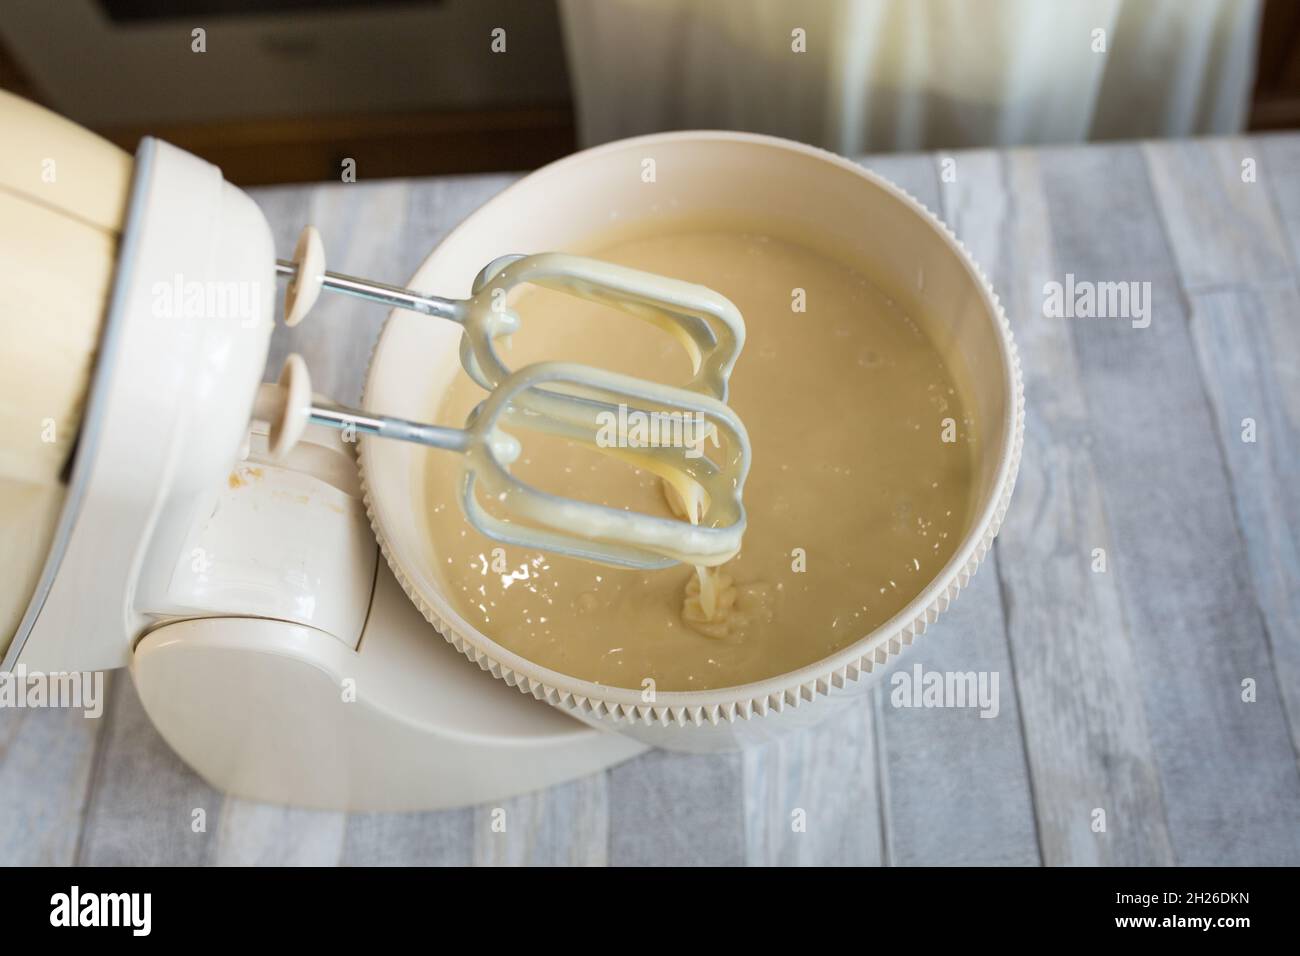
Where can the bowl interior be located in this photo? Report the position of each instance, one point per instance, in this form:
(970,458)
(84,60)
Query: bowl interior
(803,195)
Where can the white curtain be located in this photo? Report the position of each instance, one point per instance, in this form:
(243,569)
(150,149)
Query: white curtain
(913,74)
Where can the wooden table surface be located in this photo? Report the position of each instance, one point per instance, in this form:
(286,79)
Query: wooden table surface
(1121,690)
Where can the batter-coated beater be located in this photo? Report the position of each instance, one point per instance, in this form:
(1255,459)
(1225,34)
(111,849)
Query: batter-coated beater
(572,400)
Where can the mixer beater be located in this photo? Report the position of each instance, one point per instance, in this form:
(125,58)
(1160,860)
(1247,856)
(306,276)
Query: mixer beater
(570,400)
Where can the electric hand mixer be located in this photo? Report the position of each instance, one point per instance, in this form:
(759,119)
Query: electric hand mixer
(242,599)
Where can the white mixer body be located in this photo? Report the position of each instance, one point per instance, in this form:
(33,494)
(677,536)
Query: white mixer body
(181,355)
(244,593)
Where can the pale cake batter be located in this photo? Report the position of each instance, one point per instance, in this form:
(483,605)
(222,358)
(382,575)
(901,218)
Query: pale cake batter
(855,501)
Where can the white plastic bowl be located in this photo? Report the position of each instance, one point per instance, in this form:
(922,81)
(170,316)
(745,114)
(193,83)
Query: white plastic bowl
(818,199)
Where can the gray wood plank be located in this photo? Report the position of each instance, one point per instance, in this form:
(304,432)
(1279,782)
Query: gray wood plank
(1228,773)
(675,809)
(1085,730)
(1279,158)
(258,834)
(442,838)
(813,798)
(1221,227)
(567,825)
(956,785)
(143,798)
(1247,342)
(46,763)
